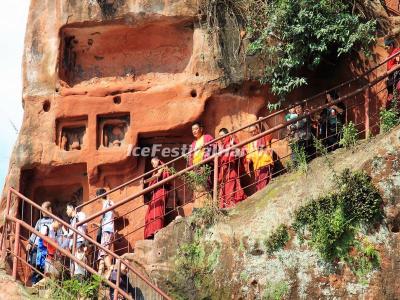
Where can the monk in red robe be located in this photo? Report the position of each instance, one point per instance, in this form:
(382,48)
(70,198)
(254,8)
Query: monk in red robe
(154,220)
(201,152)
(259,155)
(230,189)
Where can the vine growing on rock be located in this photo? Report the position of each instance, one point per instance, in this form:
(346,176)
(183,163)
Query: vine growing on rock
(290,36)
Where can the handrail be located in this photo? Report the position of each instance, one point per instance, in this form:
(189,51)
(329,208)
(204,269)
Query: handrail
(64,252)
(239,145)
(261,120)
(88,238)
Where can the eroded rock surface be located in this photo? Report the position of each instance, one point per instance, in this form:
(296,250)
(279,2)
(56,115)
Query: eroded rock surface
(239,266)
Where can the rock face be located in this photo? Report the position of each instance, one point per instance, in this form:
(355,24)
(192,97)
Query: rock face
(231,262)
(103,75)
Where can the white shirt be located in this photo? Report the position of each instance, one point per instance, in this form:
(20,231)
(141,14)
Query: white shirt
(107,222)
(79,217)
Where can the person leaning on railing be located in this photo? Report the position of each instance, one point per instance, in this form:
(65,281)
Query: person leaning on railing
(300,135)
(331,121)
(201,152)
(33,242)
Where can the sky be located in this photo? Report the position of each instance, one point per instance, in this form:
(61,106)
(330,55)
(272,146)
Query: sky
(13,16)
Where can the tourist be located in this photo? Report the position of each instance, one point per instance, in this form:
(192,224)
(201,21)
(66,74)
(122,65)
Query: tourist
(80,254)
(51,266)
(259,155)
(154,220)
(332,120)
(76,217)
(124,283)
(392,67)
(200,152)
(230,189)
(300,136)
(291,114)
(107,231)
(33,242)
(41,254)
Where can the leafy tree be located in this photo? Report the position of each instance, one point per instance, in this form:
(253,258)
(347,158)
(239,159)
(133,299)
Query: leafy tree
(290,35)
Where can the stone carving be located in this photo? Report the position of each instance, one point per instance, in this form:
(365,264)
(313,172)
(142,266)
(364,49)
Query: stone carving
(113,131)
(64,142)
(72,138)
(75,145)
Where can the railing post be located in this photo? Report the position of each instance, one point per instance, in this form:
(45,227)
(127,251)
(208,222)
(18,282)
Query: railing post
(16,250)
(117,280)
(366,109)
(215,181)
(73,251)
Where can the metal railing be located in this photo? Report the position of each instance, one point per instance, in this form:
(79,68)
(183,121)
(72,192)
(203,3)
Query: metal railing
(27,207)
(213,190)
(307,102)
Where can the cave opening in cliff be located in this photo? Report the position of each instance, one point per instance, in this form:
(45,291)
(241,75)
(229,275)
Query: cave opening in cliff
(59,185)
(162,45)
(165,145)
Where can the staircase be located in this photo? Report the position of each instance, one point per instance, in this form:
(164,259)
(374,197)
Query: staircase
(357,93)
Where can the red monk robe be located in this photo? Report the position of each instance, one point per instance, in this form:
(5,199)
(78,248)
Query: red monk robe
(154,220)
(201,153)
(259,154)
(230,189)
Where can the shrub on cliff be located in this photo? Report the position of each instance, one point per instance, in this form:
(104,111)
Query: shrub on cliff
(330,222)
(289,35)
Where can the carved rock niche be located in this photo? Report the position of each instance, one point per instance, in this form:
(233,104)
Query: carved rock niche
(112,130)
(71,133)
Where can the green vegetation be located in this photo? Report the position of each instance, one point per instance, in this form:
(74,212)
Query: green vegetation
(349,135)
(365,259)
(276,291)
(277,240)
(290,35)
(198,177)
(206,216)
(85,289)
(299,159)
(194,265)
(331,221)
(390,117)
